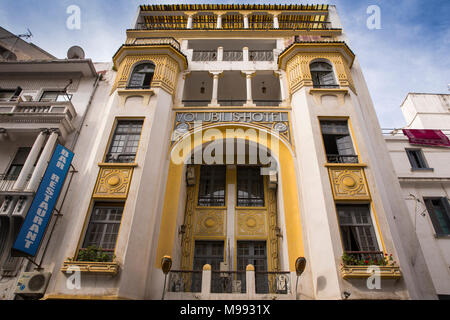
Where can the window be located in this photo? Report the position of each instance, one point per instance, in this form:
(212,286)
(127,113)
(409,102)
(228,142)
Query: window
(338,142)
(17,163)
(55,96)
(104,226)
(250,187)
(322,75)
(439,211)
(142,75)
(357,231)
(416,159)
(212,186)
(125,141)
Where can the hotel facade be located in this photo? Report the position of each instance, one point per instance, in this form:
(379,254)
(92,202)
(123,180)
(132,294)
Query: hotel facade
(226,145)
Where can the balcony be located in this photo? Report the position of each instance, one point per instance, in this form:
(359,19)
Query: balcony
(33,114)
(241,285)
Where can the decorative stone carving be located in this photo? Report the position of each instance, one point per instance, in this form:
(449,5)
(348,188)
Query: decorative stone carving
(113,182)
(349,183)
(165,76)
(186,241)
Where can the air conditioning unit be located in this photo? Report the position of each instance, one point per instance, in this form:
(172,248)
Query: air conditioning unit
(32,283)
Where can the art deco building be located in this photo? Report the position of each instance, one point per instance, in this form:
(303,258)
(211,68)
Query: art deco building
(232,141)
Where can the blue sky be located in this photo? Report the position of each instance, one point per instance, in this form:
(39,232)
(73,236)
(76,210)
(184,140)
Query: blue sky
(410,53)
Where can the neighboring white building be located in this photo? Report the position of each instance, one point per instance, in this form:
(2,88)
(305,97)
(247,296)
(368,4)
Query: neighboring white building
(43,101)
(424,175)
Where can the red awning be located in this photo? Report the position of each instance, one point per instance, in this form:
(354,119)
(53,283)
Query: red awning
(427,137)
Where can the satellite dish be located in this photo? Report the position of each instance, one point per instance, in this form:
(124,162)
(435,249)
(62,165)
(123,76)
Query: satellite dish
(75,52)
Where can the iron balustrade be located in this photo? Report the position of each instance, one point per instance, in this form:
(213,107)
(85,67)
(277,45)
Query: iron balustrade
(338,158)
(260,55)
(275,282)
(204,55)
(228,281)
(185,281)
(120,157)
(233,55)
(260,25)
(326,86)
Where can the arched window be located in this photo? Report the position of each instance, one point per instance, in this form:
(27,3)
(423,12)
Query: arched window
(322,75)
(142,75)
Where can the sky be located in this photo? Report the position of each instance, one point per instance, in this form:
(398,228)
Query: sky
(408,51)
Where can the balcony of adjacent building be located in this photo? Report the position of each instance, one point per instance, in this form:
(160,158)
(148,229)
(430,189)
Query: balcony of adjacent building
(20,111)
(233,89)
(24,158)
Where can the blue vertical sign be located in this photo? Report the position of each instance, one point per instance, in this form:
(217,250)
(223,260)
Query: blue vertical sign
(33,228)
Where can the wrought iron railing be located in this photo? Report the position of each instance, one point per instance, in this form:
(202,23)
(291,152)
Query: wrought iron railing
(277,282)
(304,25)
(260,55)
(185,281)
(204,55)
(120,157)
(233,55)
(337,158)
(195,103)
(228,282)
